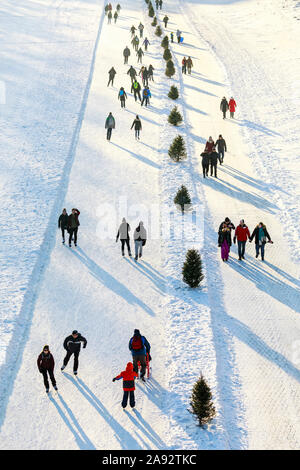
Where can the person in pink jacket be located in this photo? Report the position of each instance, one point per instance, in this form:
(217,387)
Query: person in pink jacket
(232,106)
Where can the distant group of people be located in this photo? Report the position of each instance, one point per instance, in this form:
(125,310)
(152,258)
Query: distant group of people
(211,156)
(139,236)
(108,12)
(69,223)
(187,63)
(225,106)
(241,234)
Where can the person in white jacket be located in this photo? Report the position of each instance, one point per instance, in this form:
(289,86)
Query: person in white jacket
(123,233)
(140,237)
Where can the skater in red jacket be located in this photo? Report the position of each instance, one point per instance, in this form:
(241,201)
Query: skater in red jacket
(128,377)
(209,145)
(241,235)
(232,106)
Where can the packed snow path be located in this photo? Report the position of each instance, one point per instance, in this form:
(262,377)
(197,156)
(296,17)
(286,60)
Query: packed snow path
(252,307)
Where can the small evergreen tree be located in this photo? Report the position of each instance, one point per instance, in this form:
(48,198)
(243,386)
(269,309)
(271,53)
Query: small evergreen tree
(177,150)
(154,22)
(192,268)
(167,54)
(158,31)
(165,42)
(182,198)
(175,117)
(173,93)
(201,402)
(150,10)
(170,70)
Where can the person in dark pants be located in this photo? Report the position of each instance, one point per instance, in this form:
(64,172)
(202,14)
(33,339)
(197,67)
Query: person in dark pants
(165,20)
(146,96)
(45,363)
(221,146)
(139,347)
(126,54)
(110,124)
(137,127)
(122,97)
(136,90)
(241,235)
(63,223)
(111,76)
(205,163)
(183,68)
(213,160)
(72,345)
(261,235)
(150,72)
(73,224)
(123,233)
(224,106)
(128,377)
(160,4)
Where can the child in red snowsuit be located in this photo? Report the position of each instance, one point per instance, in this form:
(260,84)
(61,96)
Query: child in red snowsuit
(128,377)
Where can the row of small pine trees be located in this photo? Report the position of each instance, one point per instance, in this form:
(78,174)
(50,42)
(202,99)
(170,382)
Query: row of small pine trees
(201,399)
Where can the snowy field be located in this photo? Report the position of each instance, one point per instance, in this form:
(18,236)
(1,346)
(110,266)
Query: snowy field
(242,328)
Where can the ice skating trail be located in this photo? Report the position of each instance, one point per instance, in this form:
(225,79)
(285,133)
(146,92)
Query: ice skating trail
(239,330)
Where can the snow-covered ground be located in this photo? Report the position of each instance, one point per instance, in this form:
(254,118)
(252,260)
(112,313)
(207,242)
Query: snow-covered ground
(242,328)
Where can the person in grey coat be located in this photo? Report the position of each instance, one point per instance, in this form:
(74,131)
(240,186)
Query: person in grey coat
(126,54)
(110,124)
(123,234)
(140,237)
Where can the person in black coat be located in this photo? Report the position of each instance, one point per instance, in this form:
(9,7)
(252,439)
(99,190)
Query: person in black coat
(63,223)
(45,363)
(230,225)
(72,345)
(224,106)
(213,160)
(205,163)
(137,127)
(111,76)
(261,235)
(221,146)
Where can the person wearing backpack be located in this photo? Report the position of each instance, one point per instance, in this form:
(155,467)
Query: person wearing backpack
(139,347)
(136,90)
(122,97)
(137,127)
(146,96)
(140,237)
(128,376)
(110,124)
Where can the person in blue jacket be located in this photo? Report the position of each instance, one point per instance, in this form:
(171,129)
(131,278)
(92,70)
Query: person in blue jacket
(122,97)
(146,96)
(139,347)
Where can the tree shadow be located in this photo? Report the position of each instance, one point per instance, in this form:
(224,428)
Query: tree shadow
(110,282)
(125,439)
(84,443)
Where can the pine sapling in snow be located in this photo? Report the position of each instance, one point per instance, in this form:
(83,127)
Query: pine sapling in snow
(201,402)
(154,22)
(182,198)
(175,117)
(167,54)
(192,269)
(177,150)
(158,31)
(165,42)
(170,69)
(150,10)
(173,93)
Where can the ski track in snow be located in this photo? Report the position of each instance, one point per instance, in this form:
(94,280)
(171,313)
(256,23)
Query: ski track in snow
(238,329)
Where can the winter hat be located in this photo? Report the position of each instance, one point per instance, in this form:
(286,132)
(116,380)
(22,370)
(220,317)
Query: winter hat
(227,219)
(46,347)
(74,332)
(136,332)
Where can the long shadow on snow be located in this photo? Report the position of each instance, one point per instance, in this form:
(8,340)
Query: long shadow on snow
(254,126)
(241,195)
(253,181)
(257,184)
(84,443)
(149,272)
(268,283)
(138,157)
(110,282)
(125,439)
(146,429)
